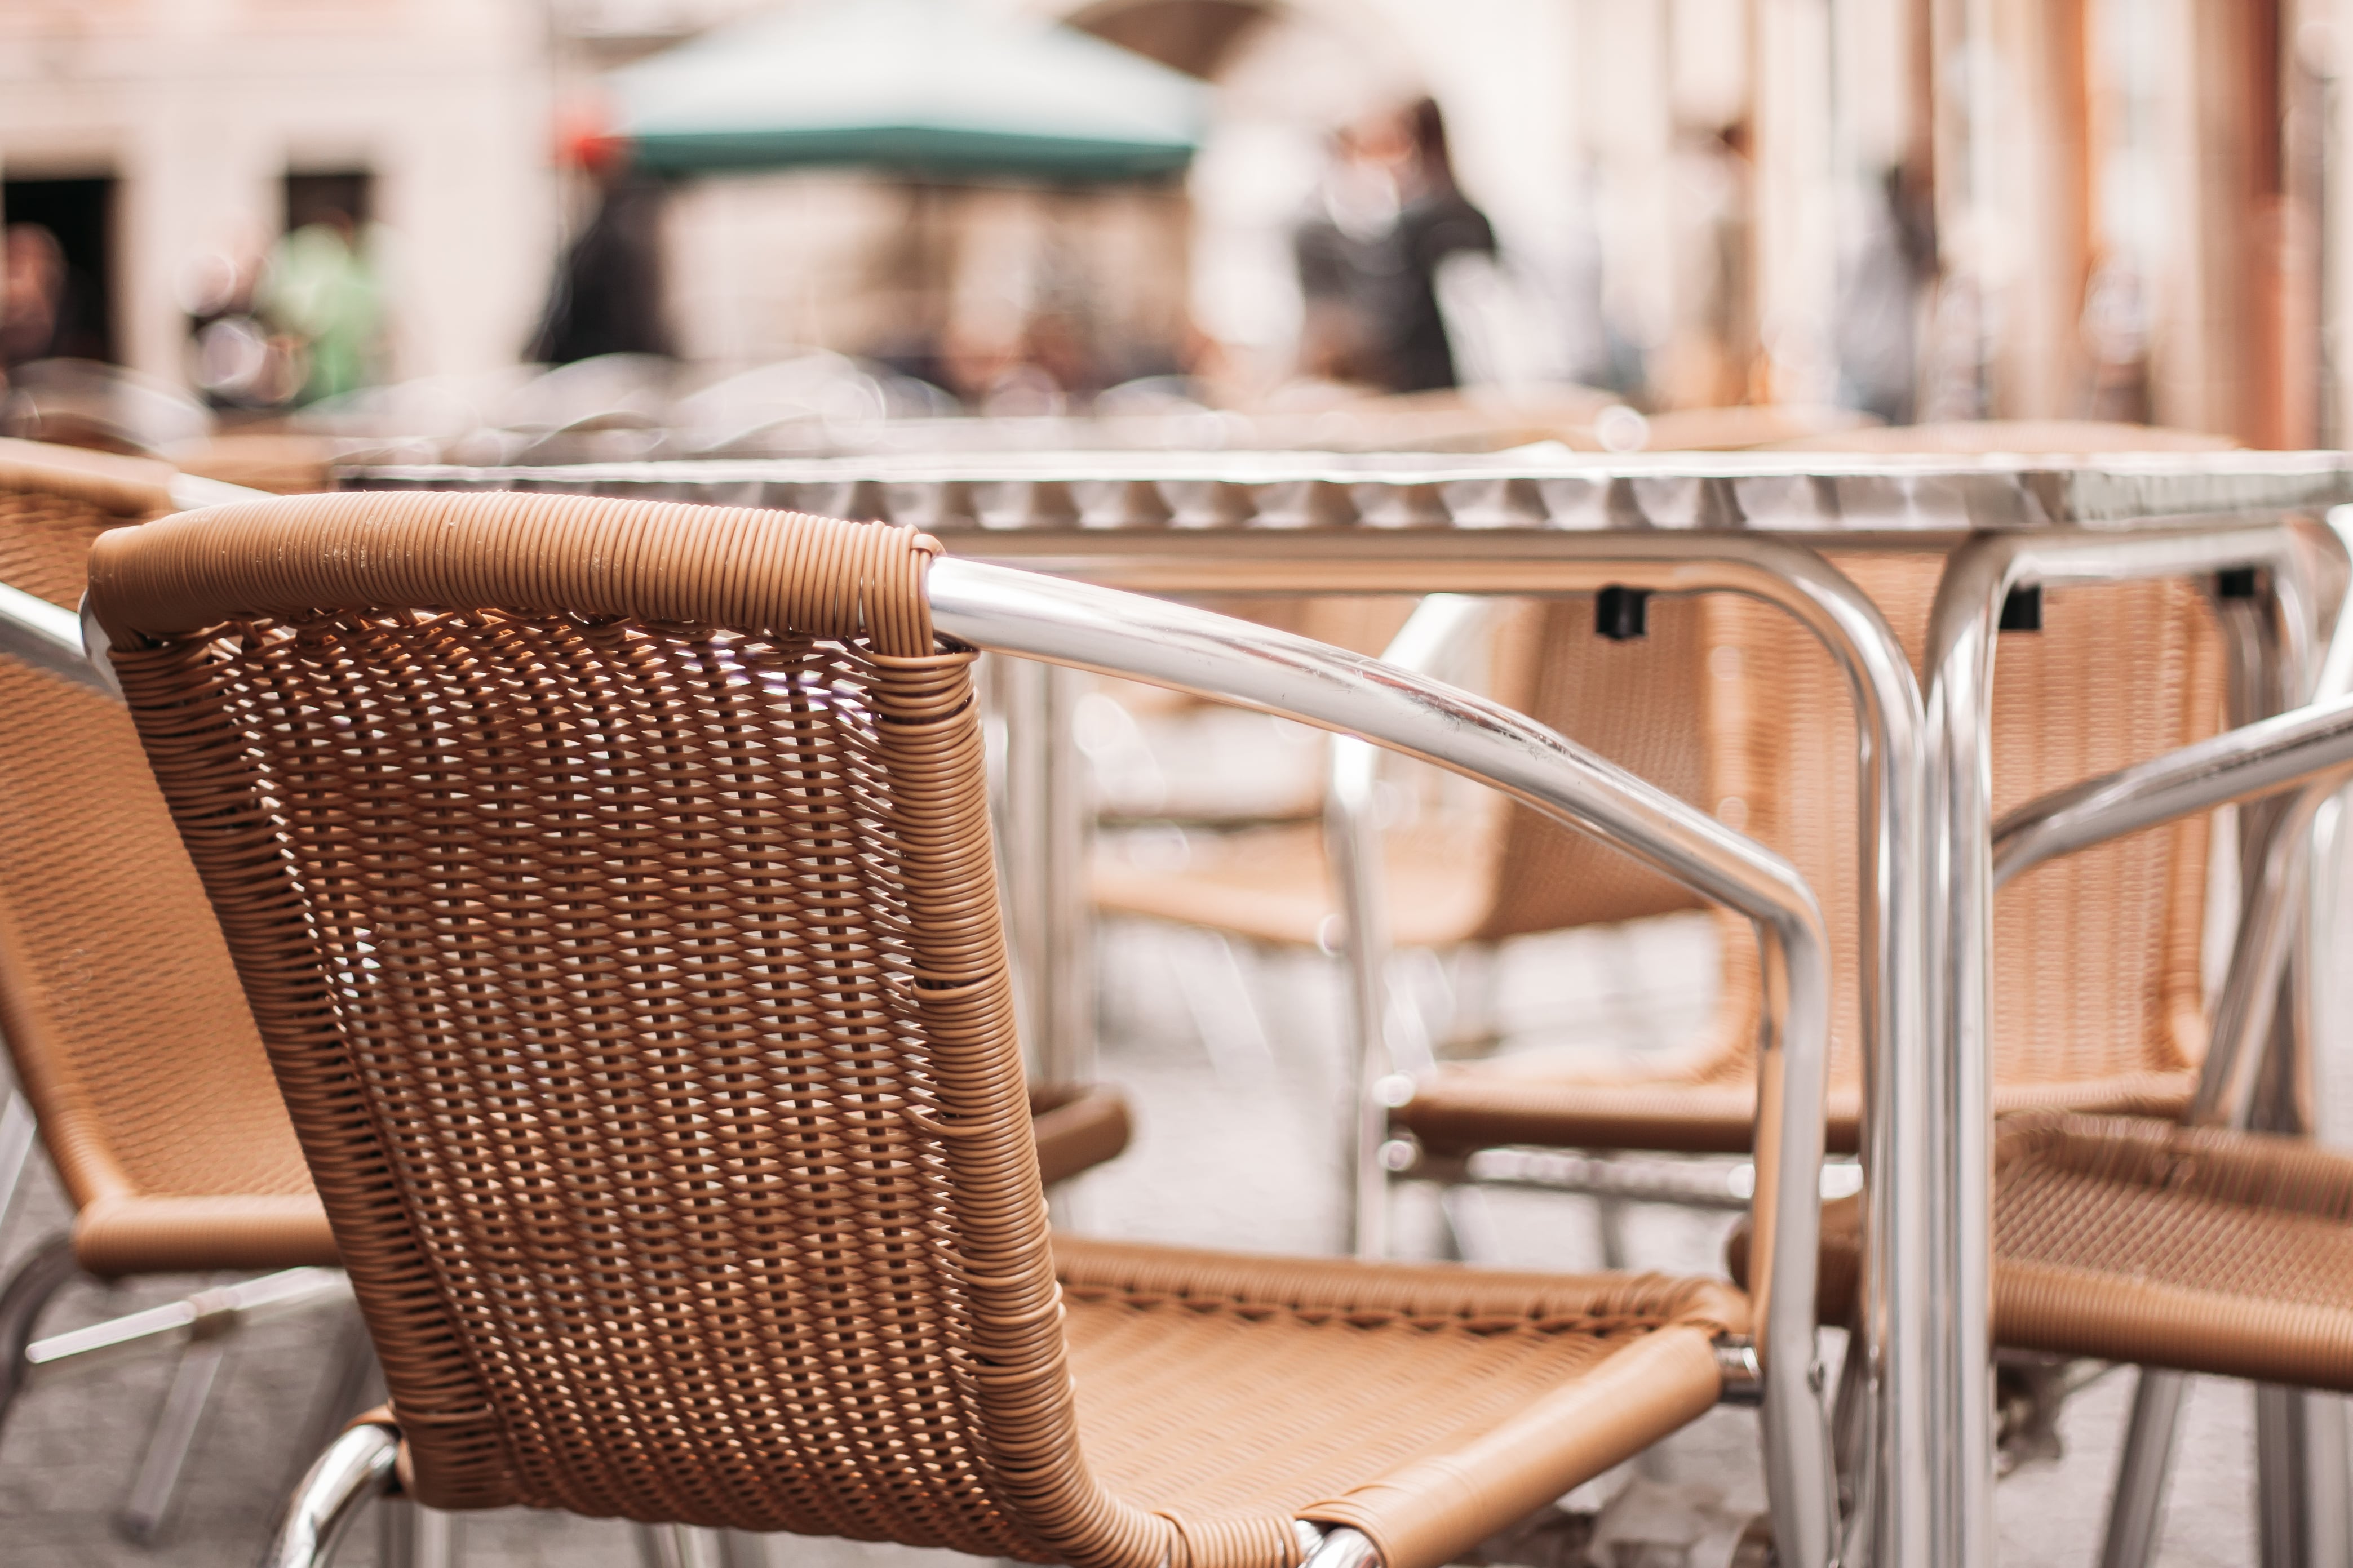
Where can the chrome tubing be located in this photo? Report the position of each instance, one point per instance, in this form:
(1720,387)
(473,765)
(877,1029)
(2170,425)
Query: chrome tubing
(1233,661)
(357,1467)
(1979,577)
(2254,759)
(2308,751)
(1338,1548)
(1353,844)
(47,637)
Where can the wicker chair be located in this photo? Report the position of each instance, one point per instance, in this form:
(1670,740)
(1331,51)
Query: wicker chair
(137,1059)
(611,884)
(2107,1020)
(2106,1013)
(2185,1248)
(1512,874)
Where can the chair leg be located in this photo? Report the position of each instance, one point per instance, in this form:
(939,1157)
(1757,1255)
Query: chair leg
(142,1518)
(2300,1479)
(680,1546)
(357,1467)
(350,1386)
(16,1135)
(411,1536)
(742,1548)
(1224,1006)
(2137,1506)
(1610,1223)
(1471,1233)
(41,1276)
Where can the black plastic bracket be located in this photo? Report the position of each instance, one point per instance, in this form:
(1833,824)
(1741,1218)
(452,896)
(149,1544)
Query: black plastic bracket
(1621,614)
(2022,610)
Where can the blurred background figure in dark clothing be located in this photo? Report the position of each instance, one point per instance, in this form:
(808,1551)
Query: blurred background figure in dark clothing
(608,295)
(1436,221)
(1386,217)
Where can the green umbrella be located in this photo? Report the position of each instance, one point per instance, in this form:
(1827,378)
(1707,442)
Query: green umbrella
(932,89)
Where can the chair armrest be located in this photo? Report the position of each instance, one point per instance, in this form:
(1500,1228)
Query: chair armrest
(2305,746)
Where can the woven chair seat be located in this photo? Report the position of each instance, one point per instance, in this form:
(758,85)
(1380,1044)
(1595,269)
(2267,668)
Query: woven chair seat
(2208,1251)
(1467,1105)
(1409,1401)
(1270,885)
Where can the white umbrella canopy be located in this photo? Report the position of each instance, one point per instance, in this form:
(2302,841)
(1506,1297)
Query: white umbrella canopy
(930,88)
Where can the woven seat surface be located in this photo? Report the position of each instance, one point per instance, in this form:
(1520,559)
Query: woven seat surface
(2097,1003)
(611,882)
(2127,1239)
(1214,1384)
(2210,1251)
(120,1006)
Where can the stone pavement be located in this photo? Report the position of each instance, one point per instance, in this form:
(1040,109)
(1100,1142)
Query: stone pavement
(1238,1146)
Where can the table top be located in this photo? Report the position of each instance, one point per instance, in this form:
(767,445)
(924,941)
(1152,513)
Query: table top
(1538,489)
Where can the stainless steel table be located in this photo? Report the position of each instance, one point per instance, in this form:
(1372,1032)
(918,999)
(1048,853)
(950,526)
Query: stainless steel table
(1543,520)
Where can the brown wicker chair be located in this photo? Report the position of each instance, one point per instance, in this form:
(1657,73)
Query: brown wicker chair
(121,1014)
(2105,1012)
(1453,885)
(611,882)
(2105,1016)
(152,1095)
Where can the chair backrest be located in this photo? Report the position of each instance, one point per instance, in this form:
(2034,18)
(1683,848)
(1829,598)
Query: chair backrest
(2097,957)
(1631,700)
(121,1009)
(1728,702)
(611,882)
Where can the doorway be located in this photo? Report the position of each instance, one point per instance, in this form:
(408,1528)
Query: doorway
(60,269)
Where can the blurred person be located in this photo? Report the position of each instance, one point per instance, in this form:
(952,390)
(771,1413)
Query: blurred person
(319,289)
(1389,214)
(608,294)
(1890,254)
(1713,354)
(1435,221)
(47,308)
(1345,249)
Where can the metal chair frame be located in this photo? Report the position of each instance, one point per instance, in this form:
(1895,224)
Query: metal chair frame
(2275,658)
(1901,1285)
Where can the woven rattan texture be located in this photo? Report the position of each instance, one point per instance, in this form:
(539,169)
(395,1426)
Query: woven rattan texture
(2205,1251)
(1213,1384)
(2211,1251)
(121,1008)
(637,982)
(1628,700)
(2097,1001)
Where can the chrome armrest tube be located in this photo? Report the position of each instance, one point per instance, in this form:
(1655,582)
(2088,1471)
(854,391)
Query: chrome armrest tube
(1382,1042)
(2255,760)
(47,637)
(1979,577)
(1254,667)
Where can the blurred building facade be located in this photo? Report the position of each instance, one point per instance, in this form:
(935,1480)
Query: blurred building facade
(1921,208)
(178,138)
